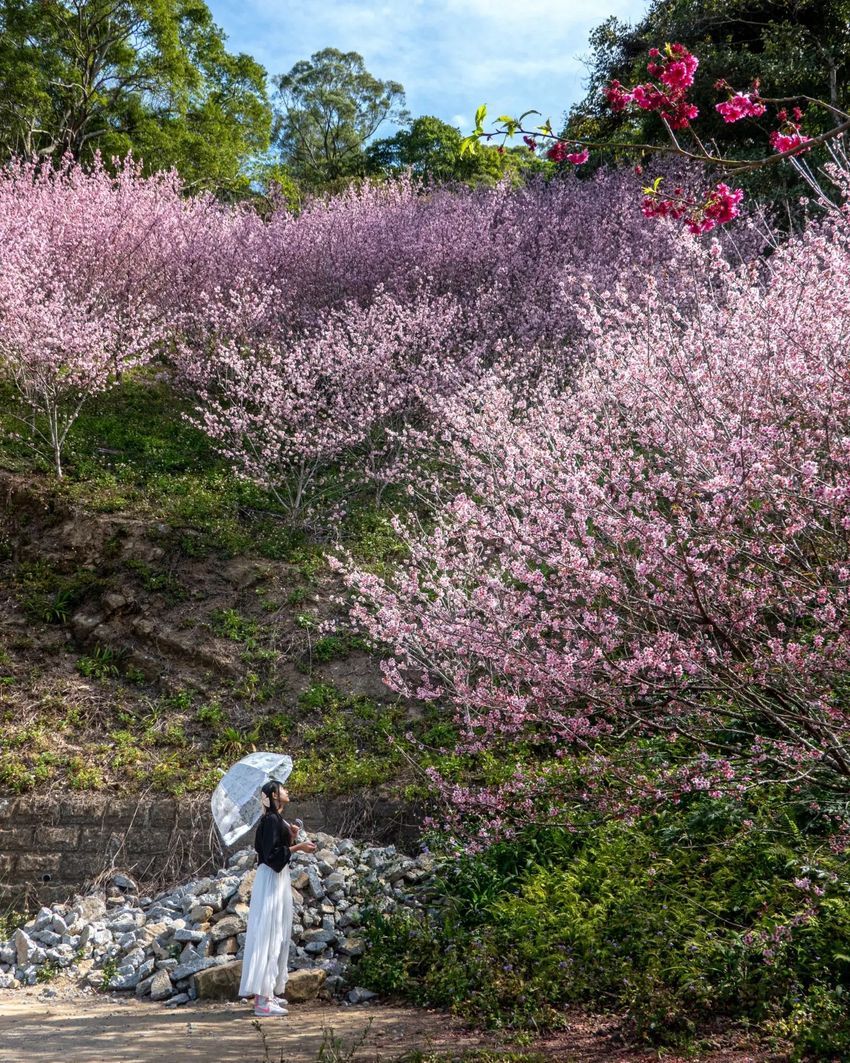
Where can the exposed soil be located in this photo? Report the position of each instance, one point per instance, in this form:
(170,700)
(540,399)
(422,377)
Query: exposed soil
(78,1028)
(144,597)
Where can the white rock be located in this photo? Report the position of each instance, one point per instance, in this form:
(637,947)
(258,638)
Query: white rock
(184,934)
(24,946)
(359,994)
(43,919)
(58,925)
(123,923)
(160,987)
(136,957)
(199,963)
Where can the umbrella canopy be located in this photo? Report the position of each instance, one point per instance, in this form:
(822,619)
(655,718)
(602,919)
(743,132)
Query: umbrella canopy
(236,804)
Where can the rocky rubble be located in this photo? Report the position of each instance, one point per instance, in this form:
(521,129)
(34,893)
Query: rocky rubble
(188,942)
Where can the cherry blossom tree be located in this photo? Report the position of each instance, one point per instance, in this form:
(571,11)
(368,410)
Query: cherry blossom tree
(283,406)
(314,340)
(89,269)
(659,548)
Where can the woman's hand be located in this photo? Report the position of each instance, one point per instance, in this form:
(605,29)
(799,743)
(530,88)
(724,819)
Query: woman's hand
(294,831)
(303,847)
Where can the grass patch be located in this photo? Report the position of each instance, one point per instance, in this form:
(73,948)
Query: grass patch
(229,624)
(345,742)
(48,596)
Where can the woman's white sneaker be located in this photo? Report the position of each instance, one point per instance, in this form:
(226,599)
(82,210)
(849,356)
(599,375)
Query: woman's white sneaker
(270,1007)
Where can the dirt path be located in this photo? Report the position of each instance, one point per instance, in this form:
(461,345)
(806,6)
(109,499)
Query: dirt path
(96,1029)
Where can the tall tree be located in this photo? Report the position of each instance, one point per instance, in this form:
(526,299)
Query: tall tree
(330,107)
(149,76)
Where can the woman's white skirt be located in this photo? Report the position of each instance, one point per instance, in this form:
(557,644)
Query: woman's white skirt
(265,963)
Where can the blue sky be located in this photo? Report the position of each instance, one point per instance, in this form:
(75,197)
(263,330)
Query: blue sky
(450,55)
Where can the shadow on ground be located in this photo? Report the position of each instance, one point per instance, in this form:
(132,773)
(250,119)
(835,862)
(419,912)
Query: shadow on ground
(92,1029)
(105,1031)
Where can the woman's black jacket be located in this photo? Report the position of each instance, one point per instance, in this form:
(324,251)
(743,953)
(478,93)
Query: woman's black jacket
(272,841)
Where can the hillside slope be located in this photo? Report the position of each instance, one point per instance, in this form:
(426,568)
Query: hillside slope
(131,650)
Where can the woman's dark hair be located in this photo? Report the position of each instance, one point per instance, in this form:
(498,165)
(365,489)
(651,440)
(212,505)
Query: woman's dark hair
(270,790)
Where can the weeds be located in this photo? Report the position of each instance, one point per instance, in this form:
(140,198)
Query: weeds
(103,663)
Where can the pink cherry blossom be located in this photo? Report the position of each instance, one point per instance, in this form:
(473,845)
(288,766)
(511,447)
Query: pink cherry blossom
(657,546)
(89,268)
(782,142)
(741,105)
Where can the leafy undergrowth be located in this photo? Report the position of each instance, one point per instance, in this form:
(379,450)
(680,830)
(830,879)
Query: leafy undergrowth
(711,910)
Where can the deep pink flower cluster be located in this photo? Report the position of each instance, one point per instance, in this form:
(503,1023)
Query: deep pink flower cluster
(675,71)
(789,136)
(741,105)
(663,207)
(722,205)
(560,152)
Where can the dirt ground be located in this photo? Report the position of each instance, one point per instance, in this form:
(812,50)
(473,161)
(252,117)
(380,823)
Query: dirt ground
(95,1029)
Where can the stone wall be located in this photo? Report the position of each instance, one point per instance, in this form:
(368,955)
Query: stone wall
(56,844)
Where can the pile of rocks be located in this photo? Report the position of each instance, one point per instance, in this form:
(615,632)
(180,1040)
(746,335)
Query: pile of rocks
(188,942)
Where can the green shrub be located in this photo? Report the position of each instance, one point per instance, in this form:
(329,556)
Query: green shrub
(212,715)
(819,1024)
(712,910)
(82,775)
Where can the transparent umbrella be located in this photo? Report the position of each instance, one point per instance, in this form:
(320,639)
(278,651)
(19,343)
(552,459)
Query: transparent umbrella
(236,804)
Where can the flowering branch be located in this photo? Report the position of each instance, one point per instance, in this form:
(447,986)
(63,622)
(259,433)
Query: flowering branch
(673,74)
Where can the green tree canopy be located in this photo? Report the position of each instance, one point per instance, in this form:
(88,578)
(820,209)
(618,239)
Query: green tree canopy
(149,76)
(431,149)
(330,107)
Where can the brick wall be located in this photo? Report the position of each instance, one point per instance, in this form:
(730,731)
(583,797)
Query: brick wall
(54,845)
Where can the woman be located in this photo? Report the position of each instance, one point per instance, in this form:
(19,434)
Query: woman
(264,965)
